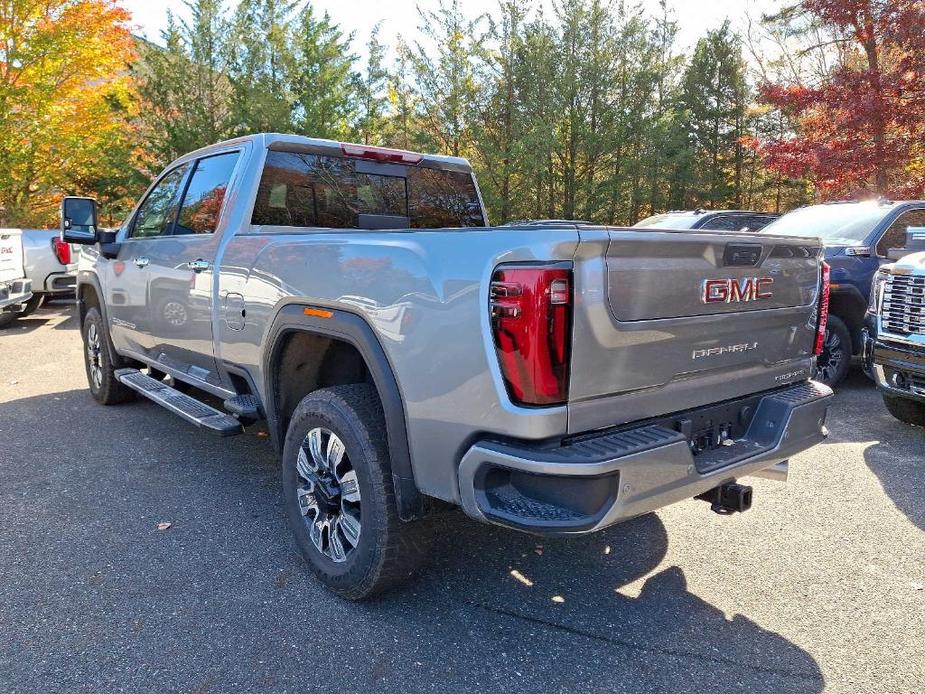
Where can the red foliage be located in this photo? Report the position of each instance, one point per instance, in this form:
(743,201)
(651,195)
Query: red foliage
(863,129)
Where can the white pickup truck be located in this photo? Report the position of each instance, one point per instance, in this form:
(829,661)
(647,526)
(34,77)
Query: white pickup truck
(15,289)
(42,258)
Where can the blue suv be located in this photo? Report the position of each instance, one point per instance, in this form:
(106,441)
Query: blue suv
(857,237)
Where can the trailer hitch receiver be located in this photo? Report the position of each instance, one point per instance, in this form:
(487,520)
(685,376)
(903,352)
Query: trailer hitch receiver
(728,498)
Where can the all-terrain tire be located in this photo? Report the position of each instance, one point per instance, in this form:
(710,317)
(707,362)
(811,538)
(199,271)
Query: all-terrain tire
(105,388)
(388,550)
(905,410)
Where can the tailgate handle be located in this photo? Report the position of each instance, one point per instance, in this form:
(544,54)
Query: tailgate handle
(742,254)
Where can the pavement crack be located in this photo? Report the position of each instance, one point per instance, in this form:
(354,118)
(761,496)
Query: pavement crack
(576,631)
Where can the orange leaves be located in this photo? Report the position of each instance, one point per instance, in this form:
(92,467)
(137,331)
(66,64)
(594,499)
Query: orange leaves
(63,85)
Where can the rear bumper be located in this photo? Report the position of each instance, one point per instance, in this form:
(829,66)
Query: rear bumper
(60,283)
(594,482)
(14,294)
(899,370)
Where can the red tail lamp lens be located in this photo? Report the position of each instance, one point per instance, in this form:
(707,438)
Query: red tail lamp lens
(823,311)
(531,314)
(62,251)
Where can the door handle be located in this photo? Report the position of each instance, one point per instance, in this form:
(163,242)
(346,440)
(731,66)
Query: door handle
(141,262)
(198,265)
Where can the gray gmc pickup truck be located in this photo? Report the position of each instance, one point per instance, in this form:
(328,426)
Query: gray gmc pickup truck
(552,378)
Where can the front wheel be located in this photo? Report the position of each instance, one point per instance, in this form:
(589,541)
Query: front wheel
(105,388)
(833,364)
(905,410)
(339,496)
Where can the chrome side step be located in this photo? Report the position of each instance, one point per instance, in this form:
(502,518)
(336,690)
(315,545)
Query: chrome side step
(190,409)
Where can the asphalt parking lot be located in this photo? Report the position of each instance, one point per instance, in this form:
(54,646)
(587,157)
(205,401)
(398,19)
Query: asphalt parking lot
(821,586)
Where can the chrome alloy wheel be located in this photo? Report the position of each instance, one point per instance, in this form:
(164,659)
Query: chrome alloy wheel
(328,494)
(94,355)
(175,313)
(829,362)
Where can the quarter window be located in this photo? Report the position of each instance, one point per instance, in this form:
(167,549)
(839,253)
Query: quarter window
(205,194)
(157,212)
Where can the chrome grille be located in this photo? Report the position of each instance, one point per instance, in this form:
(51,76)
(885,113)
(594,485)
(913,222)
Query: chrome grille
(903,311)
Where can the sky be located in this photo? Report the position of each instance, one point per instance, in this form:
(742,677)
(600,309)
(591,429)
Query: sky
(694,17)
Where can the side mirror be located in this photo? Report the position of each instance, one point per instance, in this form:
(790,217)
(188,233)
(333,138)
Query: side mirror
(78,220)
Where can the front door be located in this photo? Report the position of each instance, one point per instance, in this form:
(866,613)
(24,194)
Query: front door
(126,278)
(181,274)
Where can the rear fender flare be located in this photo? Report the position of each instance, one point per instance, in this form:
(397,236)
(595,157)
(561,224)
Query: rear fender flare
(353,329)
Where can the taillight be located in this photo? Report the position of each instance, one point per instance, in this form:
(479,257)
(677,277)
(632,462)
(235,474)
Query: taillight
(823,311)
(62,251)
(531,316)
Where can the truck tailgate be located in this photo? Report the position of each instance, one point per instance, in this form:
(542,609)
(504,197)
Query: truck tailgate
(11,267)
(666,321)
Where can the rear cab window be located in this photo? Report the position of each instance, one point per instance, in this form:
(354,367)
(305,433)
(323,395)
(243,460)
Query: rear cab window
(316,190)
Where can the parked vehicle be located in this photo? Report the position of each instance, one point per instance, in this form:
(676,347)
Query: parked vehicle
(717,220)
(857,237)
(406,355)
(47,263)
(895,334)
(50,264)
(15,288)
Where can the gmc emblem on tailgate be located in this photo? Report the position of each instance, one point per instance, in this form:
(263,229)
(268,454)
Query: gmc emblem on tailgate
(731,291)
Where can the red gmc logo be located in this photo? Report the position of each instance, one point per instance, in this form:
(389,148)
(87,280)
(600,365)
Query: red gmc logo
(731,291)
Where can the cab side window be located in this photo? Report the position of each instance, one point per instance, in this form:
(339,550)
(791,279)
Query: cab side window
(895,236)
(156,214)
(205,194)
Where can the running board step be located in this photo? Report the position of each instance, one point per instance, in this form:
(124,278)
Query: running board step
(190,409)
(247,406)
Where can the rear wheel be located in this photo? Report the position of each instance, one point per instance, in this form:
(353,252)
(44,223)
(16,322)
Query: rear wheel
(339,496)
(905,410)
(833,364)
(33,304)
(105,388)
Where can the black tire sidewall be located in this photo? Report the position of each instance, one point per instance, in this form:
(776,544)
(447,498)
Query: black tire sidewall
(364,559)
(836,325)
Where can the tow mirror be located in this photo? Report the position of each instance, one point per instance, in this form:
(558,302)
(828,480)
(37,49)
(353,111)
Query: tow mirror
(78,220)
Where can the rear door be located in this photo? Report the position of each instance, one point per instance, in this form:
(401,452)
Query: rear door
(181,273)
(686,319)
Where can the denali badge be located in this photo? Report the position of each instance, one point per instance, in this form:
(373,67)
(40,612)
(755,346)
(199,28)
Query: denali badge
(725,349)
(730,291)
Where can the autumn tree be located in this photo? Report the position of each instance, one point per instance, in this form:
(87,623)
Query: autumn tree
(859,130)
(65,99)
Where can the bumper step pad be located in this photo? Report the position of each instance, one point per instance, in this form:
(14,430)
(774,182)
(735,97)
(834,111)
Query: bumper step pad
(189,408)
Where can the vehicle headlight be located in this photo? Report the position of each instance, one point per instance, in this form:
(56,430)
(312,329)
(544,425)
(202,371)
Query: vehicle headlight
(876,291)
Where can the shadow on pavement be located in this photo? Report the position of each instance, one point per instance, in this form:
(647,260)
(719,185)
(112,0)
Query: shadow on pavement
(896,451)
(55,310)
(222,600)
(900,467)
